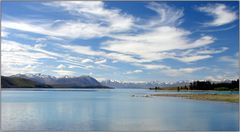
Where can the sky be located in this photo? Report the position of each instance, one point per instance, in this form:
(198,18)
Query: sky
(125,41)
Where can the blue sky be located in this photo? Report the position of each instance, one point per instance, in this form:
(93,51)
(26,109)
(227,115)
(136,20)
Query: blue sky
(127,41)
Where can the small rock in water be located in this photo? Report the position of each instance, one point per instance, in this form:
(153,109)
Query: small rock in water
(146,95)
(133,95)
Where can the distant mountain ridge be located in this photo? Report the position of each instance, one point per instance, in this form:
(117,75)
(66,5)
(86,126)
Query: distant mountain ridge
(52,81)
(41,80)
(151,84)
(119,84)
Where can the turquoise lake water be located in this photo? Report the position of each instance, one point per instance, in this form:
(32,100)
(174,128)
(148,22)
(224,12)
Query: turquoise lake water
(113,110)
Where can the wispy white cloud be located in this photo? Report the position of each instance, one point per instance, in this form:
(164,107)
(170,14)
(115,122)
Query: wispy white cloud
(164,11)
(61,66)
(170,71)
(134,72)
(193,58)
(18,58)
(151,45)
(63,72)
(122,57)
(29,27)
(212,51)
(39,46)
(94,21)
(152,66)
(36,39)
(224,76)
(15,48)
(86,61)
(4,34)
(232,60)
(67,30)
(181,71)
(100,61)
(73,66)
(221,13)
(216,30)
(86,50)
(13,69)
(193,55)
(96,12)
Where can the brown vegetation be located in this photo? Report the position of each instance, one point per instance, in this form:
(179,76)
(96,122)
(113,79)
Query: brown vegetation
(234,98)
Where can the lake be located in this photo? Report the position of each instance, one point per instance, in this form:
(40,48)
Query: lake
(113,110)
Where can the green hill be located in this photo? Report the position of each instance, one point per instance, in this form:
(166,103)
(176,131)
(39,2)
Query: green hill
(16,82)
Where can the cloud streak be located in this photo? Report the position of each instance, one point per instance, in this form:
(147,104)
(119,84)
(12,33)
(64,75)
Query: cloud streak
(94,21)
(221,13)
(134,72)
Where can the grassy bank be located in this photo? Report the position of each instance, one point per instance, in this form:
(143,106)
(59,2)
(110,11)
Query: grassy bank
(214,97)
(187,89)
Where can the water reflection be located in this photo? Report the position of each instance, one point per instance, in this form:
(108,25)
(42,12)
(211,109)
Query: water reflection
(112,110)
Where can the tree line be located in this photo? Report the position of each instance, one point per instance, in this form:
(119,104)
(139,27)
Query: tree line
(207,85)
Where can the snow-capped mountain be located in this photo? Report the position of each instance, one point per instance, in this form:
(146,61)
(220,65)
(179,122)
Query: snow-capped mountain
(151,84)
(65,81)
(121,84)
(38,77)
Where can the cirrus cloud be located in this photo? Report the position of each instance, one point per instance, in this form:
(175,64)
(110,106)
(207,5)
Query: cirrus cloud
(221,13)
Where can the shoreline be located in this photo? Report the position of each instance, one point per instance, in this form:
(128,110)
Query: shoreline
(52,89)
(210,97)
(159,90)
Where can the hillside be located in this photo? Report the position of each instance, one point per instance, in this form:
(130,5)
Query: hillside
(16,82)
(46,81)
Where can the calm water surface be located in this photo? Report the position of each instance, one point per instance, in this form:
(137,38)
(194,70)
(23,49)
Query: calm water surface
(113,109)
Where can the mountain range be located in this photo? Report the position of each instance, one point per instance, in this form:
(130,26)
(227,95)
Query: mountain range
(152,84)
(47,81)
(43,81)
(122,84)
